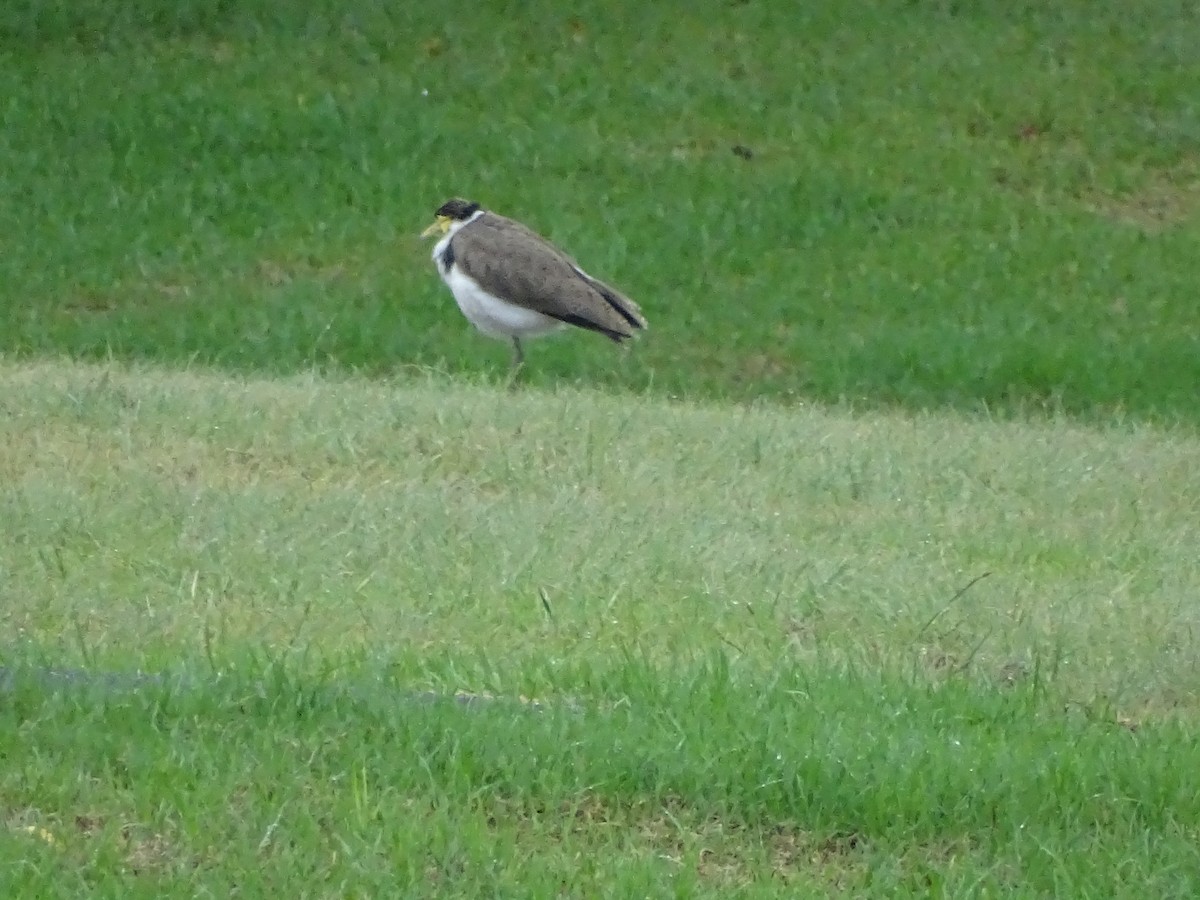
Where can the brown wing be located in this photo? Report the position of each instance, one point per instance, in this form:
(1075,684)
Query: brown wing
(511,261)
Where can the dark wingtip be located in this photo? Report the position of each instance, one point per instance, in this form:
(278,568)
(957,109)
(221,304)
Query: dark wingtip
(622,306)
(580,322)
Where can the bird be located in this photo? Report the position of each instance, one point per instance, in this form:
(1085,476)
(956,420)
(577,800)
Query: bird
(511,283)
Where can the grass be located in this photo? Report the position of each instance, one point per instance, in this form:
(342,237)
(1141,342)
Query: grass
(943,204)
(925,628)
(764,662)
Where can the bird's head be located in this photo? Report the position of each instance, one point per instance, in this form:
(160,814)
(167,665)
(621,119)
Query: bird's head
(448,213)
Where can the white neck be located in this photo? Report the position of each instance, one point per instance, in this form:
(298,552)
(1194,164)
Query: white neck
(454,228)
(458,224)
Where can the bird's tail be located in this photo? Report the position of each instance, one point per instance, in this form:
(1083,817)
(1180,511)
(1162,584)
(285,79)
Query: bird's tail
(622,305)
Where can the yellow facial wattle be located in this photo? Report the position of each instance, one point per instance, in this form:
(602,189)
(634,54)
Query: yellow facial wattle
(440,226)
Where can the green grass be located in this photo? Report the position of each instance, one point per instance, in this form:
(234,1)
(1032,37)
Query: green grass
(806,784)
(945,204)
(763,666)
(926,628)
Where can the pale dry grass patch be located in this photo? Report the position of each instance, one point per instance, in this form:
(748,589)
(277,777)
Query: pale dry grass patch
(148,512)
(1165,198)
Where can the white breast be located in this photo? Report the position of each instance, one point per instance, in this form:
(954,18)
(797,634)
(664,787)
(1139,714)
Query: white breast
(494,317)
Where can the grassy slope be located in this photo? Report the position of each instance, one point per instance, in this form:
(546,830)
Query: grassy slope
(944,205)
(755,610)
(782,687)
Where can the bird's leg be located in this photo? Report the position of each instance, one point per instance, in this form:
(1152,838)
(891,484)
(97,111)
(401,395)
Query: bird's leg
(518,360)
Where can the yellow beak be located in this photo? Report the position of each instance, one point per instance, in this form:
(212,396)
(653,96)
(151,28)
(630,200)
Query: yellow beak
(440,226)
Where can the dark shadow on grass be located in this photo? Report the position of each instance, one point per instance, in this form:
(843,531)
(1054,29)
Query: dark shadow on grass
(53,679)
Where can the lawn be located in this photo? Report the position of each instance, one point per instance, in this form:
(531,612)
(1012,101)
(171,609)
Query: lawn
(702,650)
(870,571)
(929,204)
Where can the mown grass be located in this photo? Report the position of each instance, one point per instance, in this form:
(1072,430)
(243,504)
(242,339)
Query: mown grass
(800,652)
(762,665)
(943,204)
(707,783)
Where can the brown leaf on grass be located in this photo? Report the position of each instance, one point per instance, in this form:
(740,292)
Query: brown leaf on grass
(88,824)
(839,843)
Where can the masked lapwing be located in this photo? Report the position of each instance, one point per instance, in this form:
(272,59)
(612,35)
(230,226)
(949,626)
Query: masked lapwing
(512,283)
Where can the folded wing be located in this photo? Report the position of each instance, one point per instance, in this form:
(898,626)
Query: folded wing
(509,260)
